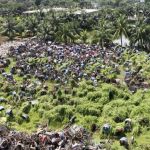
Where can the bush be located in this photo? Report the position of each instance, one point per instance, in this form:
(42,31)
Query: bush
(74,101)
(26,108)
(19,119)
(137,130)
(8,88)
(87,121)
(59,113)
(111,94)
(41,112)
(144,121)
(94,96)
(141,110)
(115,109)
(59,93)
(46,106)
(116,146)
(82,93)
(73,83)
(89,109)
(74,92)
(45,98)
(90,88)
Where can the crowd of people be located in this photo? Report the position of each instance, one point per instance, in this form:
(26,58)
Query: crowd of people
(62,63)
(72,137)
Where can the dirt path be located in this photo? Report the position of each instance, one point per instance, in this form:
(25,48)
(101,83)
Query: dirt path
(79,11)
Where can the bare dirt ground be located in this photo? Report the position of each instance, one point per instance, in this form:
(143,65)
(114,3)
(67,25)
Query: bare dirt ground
(5,45)
(3,39)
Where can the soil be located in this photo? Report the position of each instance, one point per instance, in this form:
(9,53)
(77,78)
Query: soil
(5,44)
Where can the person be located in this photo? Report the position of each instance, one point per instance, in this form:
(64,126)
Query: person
(124,142)
(128,125)
(106,129)
(72,120)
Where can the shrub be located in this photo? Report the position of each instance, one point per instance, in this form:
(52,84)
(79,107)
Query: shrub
(74,101)
(82,85)
(82,93)
(111,94)
(73,83)
(94,96)
(41,112)
(116,146)
(18,118)
(90,88)
(59,93)
(74,92)
(26,108)
(89,109)
(137,130)
(46,106)
(59,113)
(144,121)
(141,110)
(117,110)
(87,121)
(8,88)
(45,98)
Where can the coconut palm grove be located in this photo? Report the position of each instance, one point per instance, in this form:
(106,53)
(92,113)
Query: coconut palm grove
(74,74)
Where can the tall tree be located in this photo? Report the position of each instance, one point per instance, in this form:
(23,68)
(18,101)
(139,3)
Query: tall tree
(65,33)
(121,28)
(45,31)
(103,33)
(38,3)
(84,36)
(32,25)
(140,34)
(9,27)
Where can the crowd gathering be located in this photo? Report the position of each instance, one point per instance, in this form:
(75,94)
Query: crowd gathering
(61,63)
(64,64)
(72,137)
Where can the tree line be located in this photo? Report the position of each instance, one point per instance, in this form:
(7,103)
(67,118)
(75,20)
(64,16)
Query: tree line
(99,28)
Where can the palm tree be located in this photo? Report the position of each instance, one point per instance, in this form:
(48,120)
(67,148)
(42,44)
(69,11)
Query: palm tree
(32,25)
(121,28)
(45,31)
(103,33)
(84,36)
(140,34)
(9,27)
(38,3)
(129,11)
(65,33)
(20,27)
(147,37)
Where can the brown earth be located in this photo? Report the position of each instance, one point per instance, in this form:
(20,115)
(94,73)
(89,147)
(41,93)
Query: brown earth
(5,44)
